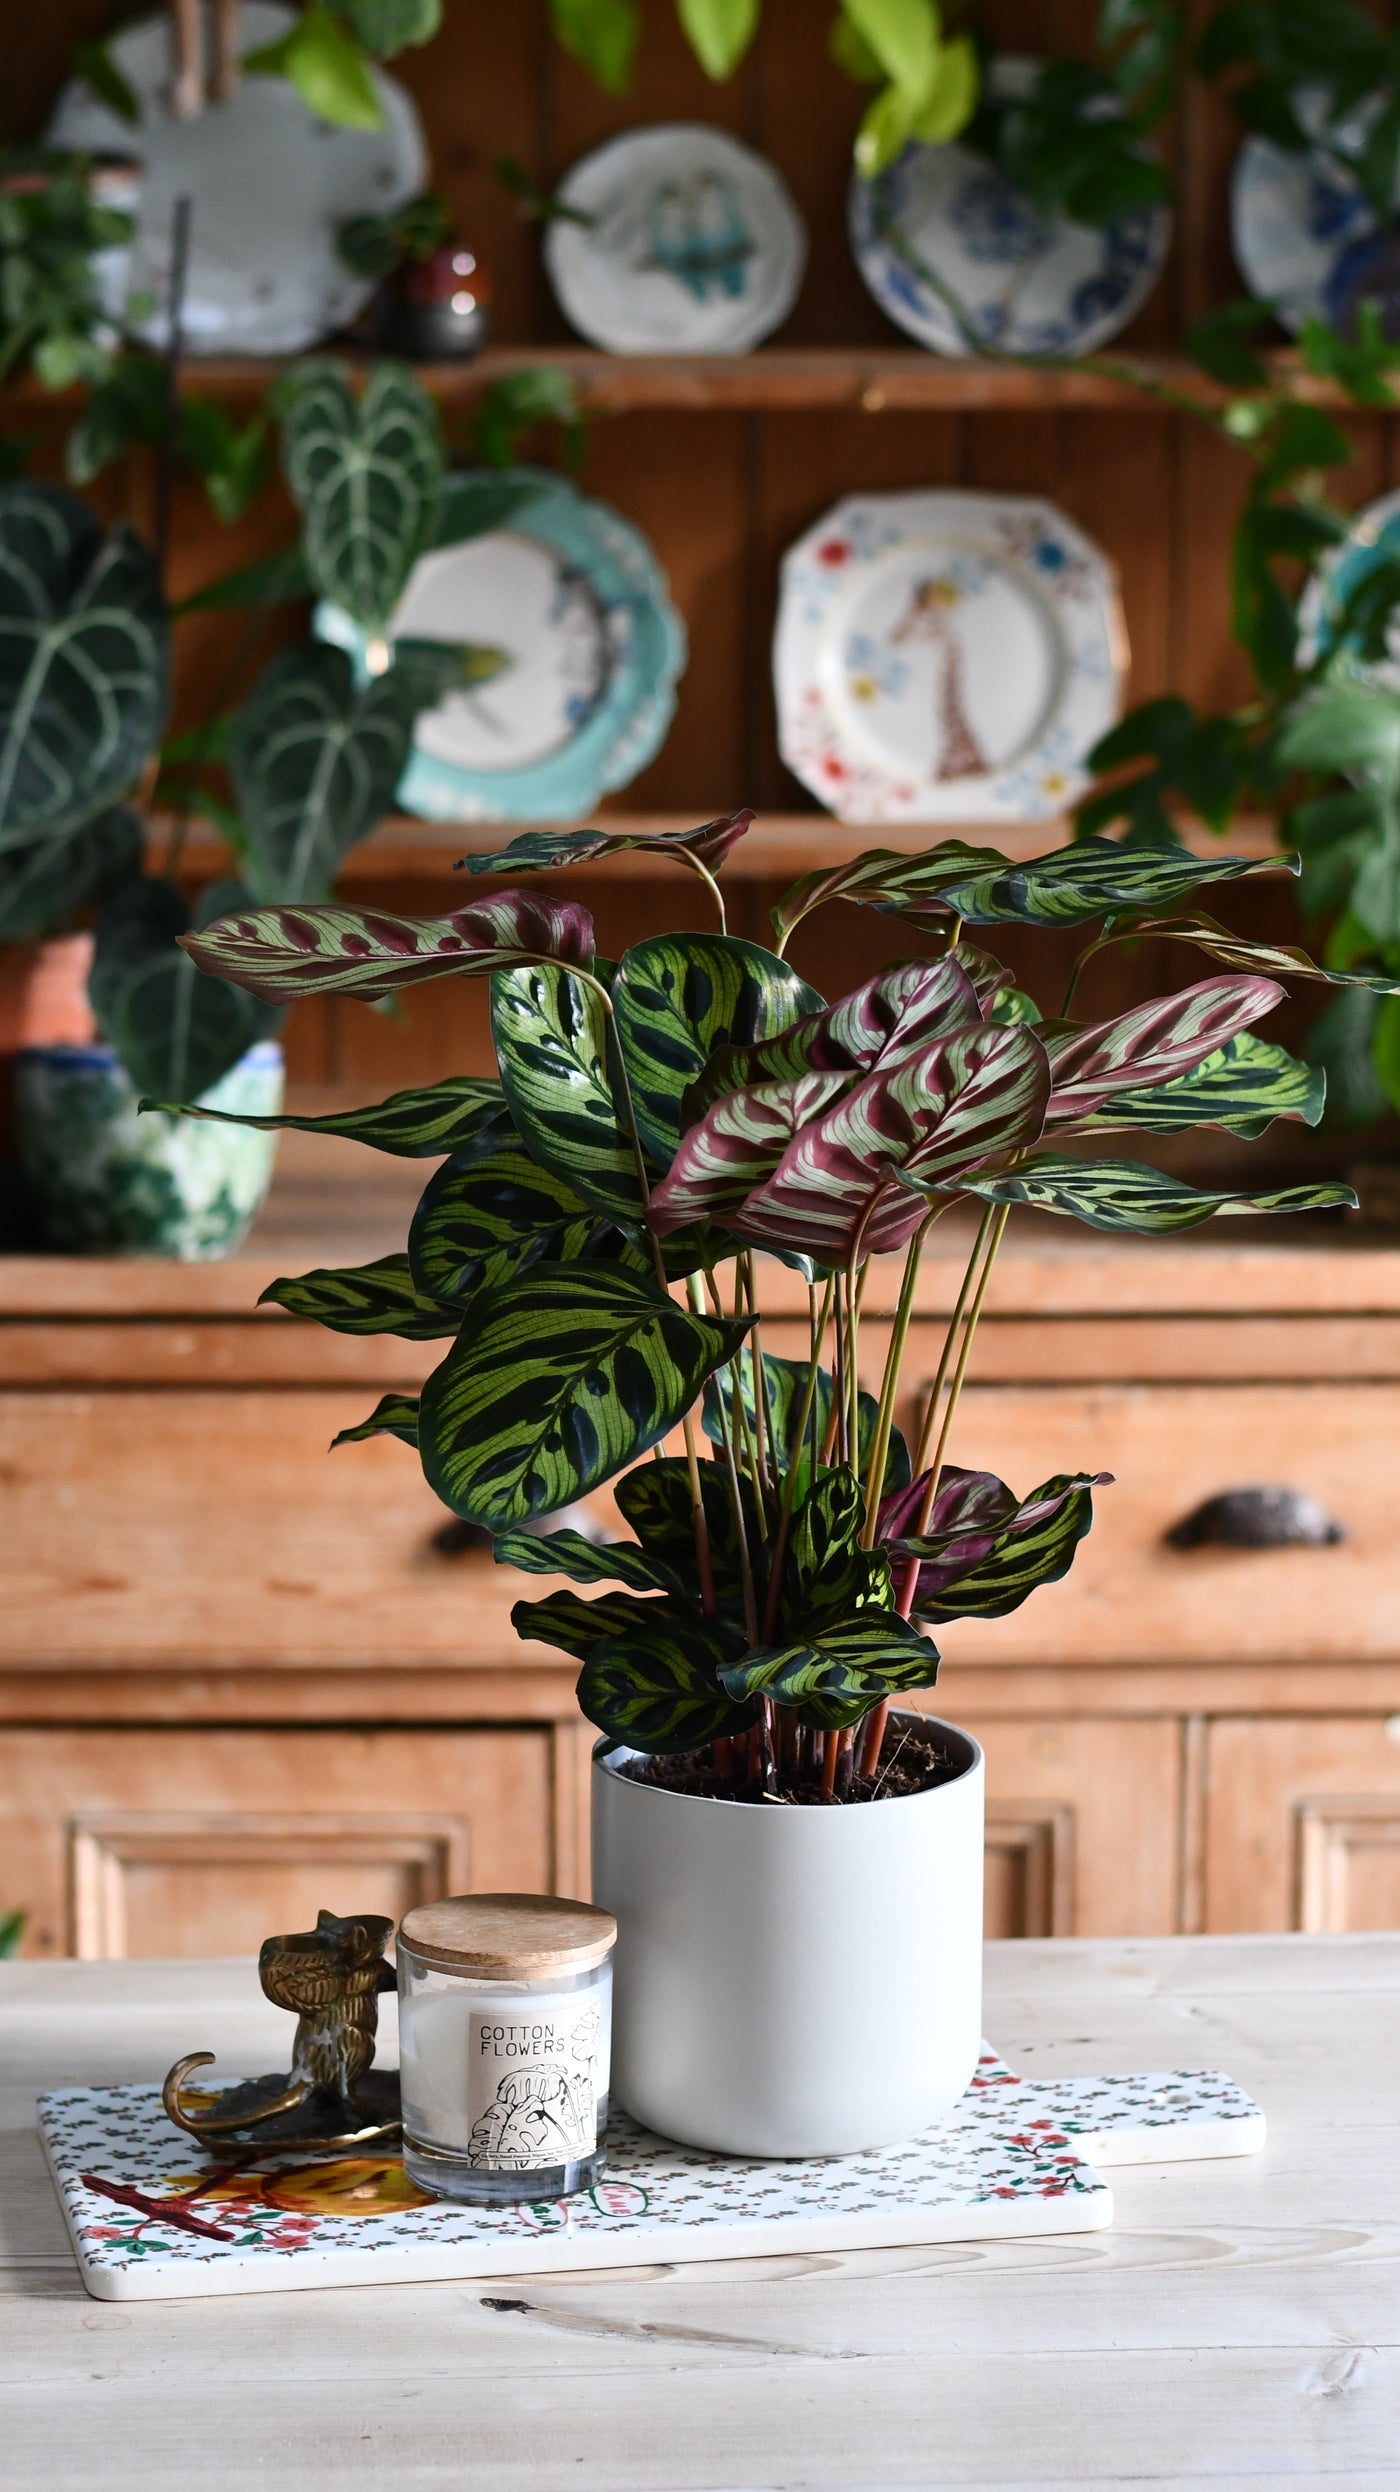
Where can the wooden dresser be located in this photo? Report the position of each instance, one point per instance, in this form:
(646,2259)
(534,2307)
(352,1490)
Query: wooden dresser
(240,1677)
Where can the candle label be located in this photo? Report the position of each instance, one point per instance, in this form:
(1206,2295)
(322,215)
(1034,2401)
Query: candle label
(532,2085)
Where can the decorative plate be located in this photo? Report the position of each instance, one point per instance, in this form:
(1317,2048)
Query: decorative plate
(694,247)
(945,657)
(269,183)
(1373,539)
(1306,241)
(575,600)
(943,223)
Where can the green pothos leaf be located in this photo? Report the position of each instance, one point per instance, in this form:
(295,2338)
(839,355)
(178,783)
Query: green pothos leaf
(661,1691)
(395,1414)
(832,1678)
(366,1298)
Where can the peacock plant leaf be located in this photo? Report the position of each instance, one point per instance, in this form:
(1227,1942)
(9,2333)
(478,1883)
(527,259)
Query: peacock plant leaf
(489,1213)
(377,1297)
(588,1561)
(315,760)
(656,1500)
(1240,1087)
(1151,1043)
(555,1383)
(830,1679)
(1124,1197)
(1095,878)
(366,475)
(985,1553)
(852,1180)
(282,954)
(676,999)
(736,1145)
(410,1124)
(539,852)
(1282,960)
(882,877)
(661,1690)
(785,1385)
(578,1627)
(552,1045)
(826,1573)
(890,1017)
(83,661)
(395,1414)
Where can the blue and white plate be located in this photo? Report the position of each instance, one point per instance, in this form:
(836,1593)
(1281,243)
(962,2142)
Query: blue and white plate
(1373,539)
(574,599)
(692,244)
(944,223)
(946,657)
(1306,241)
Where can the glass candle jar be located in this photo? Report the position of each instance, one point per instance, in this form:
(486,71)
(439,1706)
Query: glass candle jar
(505,2030)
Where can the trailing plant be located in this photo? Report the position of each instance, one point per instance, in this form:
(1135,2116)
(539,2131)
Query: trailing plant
(51,230)
(588,1250)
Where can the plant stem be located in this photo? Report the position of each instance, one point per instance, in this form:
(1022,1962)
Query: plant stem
(889,1383)
(697,865)
(736,1497)
(830,1747)
(789,1486)
(1002,1213)
(955,1319)
(871,1737)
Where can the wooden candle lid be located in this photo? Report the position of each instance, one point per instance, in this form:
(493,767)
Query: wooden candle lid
(510,1937)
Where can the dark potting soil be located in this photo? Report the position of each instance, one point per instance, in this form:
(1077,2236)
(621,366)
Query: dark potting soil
(909,1761)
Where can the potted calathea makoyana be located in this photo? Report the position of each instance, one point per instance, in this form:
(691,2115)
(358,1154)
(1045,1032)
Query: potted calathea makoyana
(794,1862)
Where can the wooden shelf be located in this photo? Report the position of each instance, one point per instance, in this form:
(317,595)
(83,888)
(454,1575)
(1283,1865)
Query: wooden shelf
(776,380)
(780,845)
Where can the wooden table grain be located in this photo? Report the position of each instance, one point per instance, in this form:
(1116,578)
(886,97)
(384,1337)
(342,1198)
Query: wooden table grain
(1239,2326)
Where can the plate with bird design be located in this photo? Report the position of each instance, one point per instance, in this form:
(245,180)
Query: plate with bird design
(945,657)
(675,240)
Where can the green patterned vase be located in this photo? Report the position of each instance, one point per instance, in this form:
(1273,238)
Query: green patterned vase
(104,1180)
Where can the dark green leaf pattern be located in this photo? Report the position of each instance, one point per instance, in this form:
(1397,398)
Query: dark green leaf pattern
(587,1561)
(175,1031)
(365,1298)
(661,1691)
(489,1214)
(1124,1197)
(395,1414)
(578,1627)
(679,997)
(1095,878)
(366,476)
(832,1678)
(988,1573)
(551,1036)
(43,885)
(315,760)
(1241,1087)
(410,1124)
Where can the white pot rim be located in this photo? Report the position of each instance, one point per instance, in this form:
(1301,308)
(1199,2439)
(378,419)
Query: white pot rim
(606,1750)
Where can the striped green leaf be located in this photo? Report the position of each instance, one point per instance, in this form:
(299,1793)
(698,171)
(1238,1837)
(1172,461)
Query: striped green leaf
(832,1678)
(366,1298)
(555,1383)
(655,1500)
(540,852)
(551,1036)
(396,1414)
(1095,878)
(679,997)
(987,1571)
(1124,1197)
(315,759)
(1274,960)
(578,1627)
(1149,1044)
(489,1214)
(282,954)
(410,1124)
(366,475)
(587,1561)
(785,1381)
(661,1690)
(892,1016)
(882,877)
(826,1573)
(1240,1087)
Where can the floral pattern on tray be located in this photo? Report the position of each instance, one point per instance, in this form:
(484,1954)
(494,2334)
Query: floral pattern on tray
(150,2218)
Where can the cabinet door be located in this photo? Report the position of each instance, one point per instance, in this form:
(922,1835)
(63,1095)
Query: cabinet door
(173,1842)
(1303,1824)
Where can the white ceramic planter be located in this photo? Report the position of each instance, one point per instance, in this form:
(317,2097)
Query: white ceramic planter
(792,1981)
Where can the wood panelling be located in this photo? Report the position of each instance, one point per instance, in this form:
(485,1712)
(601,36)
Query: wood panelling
(1303,1824)
(1083,1822)
(1028,1889)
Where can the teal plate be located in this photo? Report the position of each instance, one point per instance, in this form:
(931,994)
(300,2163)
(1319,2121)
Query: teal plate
(574,599)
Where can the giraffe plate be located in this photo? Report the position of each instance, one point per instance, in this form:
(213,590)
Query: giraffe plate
(946,657)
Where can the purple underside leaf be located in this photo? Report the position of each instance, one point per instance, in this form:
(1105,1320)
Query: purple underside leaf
(844,1180)
(736,1145)
(892,1016)
(1155,1041)
(966,1501)
(945,1556)
(284,953)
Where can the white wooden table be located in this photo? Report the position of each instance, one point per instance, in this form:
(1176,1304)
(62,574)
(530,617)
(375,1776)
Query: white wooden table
(1239,2326)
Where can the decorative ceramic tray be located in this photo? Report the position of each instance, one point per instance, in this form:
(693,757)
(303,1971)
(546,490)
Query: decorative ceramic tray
(1305,238)
(574,598)
(942,231)
(1371,543)
(269,184)
(945,657)
(1017,2157)
(693,244)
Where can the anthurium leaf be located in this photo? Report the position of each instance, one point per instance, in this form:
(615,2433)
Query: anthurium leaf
(388,26)
(659,1688)
(410,1124)
(1149,1044)
(176,1031)
(830,1679)
(366,1298)
(1281,960)
(366,476)
(587,1561)
(315,760)
(578,1626)
(1240,1087)
(273,580)
(676,999)
(843,1181)
(395,1414)
(475,502)
(333,949)
(492,1211)
(83,641)
(971,1573)
(883,878)
(555,1383)
(551,1037)
(43,885)
(891,1016)
(1125,1197)
(1095,878)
